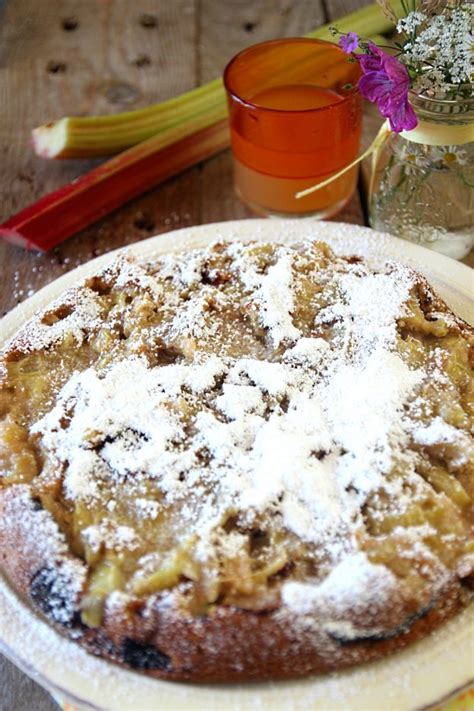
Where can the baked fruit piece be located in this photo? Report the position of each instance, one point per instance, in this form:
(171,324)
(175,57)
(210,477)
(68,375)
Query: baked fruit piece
(247,461)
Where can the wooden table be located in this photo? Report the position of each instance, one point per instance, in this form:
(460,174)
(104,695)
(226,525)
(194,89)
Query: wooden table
(60,57)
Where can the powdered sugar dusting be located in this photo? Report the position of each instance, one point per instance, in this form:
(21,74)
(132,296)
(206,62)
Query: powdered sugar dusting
(260,452)
(277,300)
(79,311)
(354,584)
(82,313)
(368,423)
(298,436)
(368,309)
(394,682)
(117,538)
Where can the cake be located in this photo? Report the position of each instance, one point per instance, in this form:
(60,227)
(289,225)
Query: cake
(246,461)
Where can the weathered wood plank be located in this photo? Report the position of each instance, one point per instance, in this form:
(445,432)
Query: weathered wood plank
(19,693)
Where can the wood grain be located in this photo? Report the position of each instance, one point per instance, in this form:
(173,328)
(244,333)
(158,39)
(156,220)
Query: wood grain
(19,693)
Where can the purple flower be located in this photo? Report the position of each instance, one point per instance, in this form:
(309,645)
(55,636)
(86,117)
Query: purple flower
(349,42)
(386,82)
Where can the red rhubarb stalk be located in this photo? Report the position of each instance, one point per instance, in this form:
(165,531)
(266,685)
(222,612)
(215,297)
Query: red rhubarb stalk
(58,215)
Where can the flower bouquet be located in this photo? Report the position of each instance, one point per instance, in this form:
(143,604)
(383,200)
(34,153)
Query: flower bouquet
(422,186)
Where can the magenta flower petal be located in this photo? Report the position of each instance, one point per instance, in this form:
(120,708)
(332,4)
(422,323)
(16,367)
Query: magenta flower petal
(369,63)
(349,42)
(386,82)
(397,73)
(376,51)
(375,86)
(402,117)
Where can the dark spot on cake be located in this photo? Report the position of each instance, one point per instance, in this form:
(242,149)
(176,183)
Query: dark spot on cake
(425,299)
(50,596)
(144,656)
(258,539)
(36,504)
(128,437)
(203,456)
(231,524)
(218,247)
(283,572)
(99,285)
(468,582)
(167,355)
(215,277)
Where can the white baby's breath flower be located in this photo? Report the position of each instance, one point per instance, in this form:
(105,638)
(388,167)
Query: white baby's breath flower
(433,83)
(409,23)
(449,155)
(439,49)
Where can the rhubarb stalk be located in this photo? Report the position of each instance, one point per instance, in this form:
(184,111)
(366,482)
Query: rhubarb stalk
(92,136)
(63,212)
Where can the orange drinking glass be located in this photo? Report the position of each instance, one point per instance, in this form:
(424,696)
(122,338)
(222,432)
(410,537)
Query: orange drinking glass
(295,120)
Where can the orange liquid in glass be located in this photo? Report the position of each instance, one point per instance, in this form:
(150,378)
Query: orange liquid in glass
(295,97)
(295,120)
(282,173)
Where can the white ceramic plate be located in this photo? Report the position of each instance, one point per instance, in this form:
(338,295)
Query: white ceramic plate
(418,677)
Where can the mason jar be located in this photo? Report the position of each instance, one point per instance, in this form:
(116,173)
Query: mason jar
(422,187)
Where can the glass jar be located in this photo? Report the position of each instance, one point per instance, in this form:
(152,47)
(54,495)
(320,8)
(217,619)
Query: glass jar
(423,183)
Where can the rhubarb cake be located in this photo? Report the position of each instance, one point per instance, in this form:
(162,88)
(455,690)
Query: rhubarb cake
(247,461)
